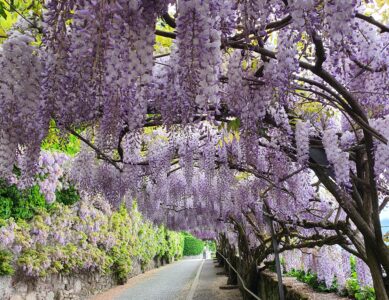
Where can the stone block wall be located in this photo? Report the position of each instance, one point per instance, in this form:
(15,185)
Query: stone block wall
(63,287)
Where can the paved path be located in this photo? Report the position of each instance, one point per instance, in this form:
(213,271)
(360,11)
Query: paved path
(188,279)
(209,283)
(171,282)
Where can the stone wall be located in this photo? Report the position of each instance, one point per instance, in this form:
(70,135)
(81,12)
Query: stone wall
(293,289)
(63,287)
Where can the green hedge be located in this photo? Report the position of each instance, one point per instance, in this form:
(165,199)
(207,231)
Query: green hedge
(192,245)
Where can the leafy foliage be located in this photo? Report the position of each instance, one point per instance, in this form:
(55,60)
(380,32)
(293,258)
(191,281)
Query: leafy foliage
(56,140)
(3,13)
(122,262)
(67,196)
(11,11)
(192,245)
(6,205)
(175,244)
(354,288)
(20,204)
(312,280)
(211,245)
(82,238)
(6,263)
(24,204)
(357,292)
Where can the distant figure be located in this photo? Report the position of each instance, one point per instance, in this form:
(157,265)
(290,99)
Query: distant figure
(205,253)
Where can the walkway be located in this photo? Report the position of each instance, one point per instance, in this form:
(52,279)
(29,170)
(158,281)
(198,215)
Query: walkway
(178,281)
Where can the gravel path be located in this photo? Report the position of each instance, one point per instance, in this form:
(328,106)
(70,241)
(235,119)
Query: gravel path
(174,282)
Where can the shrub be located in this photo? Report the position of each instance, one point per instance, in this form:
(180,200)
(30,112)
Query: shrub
(67,196)
(121,266)
(6,205)
(175,244)
(192,245)
(24,204)
(29,202)
(20,204)
(312,280)
(353,287)
(6,263)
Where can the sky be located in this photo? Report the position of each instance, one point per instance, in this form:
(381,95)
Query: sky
(384,216)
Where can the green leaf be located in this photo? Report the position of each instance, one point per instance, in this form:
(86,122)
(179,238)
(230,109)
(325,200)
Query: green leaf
(3,14)
(6,263)
(233,125)
(192,245)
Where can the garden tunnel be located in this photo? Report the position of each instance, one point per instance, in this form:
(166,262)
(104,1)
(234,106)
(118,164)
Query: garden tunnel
(260,125)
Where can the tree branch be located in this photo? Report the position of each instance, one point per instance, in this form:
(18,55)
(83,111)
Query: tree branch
(373,21)
(384,203)
(169,20)
(166,34)
(97,150)
(279,24)
(320,52)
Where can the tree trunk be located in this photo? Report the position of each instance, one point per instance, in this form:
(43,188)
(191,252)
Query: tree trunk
(251,281)
(232,277)
(376,273)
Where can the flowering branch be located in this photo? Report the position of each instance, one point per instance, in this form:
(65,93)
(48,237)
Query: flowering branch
(373,21)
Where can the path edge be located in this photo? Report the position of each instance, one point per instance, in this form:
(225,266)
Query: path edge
(195,282)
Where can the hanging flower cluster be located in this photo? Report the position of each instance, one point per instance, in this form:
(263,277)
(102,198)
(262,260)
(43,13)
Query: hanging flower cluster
(302,141)
(23,119)
(338,158)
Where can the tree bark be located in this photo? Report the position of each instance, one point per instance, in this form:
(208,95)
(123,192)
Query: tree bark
(251,280)
(232,276)
(376,273)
